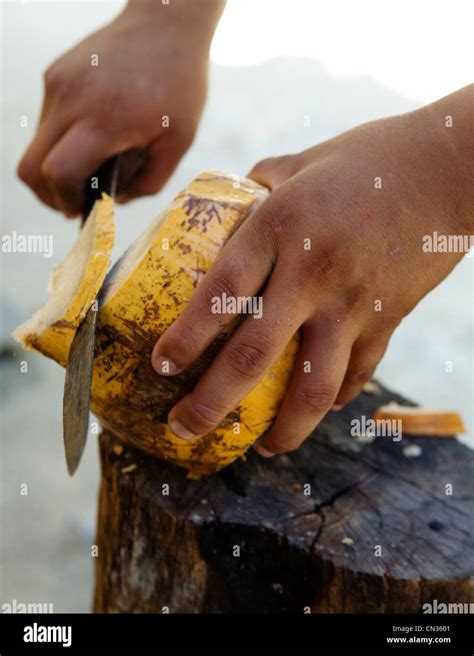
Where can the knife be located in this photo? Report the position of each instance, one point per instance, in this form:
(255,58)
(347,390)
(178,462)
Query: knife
(78,383)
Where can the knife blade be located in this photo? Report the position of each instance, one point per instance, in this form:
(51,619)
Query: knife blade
(78,382)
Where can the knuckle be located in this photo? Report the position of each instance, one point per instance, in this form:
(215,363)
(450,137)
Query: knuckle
(359,377)
(315,398)
(324,266)
(52,78)
(285,166)
(278,218)
(325,263)
(204,415)
(177,342)
(185,138)
(282,446)
(220,286)
(322,275)
(348,394)
(26,172)
(277,168)
(247,361)
(264,165)
(55,173)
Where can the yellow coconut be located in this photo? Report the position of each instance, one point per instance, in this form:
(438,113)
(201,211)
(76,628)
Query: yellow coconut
(143,294)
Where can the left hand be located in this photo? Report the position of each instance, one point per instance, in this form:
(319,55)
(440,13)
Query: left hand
(341,258)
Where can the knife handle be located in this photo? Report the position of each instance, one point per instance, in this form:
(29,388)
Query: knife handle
(118,173)
(104,180)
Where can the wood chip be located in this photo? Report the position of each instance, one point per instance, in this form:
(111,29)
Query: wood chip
(422,421)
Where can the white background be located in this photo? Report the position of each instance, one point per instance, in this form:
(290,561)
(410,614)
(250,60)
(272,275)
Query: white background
(422,48)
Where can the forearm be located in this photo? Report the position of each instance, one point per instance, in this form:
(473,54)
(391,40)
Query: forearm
(198,19)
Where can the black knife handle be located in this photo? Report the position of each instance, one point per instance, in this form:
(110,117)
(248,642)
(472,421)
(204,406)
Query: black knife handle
(104,180)
(116,175)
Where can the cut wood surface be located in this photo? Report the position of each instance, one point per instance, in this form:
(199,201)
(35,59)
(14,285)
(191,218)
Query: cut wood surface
(376,531)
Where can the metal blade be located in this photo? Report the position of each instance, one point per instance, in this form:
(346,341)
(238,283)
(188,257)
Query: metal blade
(78,383)
(77,390)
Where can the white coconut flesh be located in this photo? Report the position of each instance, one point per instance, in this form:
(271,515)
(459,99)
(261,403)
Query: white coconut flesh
(64,282)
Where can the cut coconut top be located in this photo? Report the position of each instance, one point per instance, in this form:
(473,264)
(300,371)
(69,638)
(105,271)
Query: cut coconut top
(75,282)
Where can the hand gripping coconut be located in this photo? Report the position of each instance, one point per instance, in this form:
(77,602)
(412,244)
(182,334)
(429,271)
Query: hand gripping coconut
(142,295)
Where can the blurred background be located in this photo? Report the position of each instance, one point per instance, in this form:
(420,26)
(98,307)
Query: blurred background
(274,63)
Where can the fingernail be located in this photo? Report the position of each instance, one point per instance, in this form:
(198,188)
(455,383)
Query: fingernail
(336,408)
(164,366)
(262,451)
(180,431)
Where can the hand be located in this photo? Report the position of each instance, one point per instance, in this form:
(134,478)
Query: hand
(338,251)
(152,63)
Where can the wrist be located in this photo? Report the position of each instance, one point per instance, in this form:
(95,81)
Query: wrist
(449,124)
(195,21)
(434,160)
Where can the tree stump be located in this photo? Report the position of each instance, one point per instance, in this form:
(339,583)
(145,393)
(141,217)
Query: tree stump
(337,526)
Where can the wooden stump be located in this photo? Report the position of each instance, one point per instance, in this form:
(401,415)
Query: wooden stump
(337,526)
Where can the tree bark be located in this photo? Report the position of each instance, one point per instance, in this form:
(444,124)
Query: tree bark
(340,525)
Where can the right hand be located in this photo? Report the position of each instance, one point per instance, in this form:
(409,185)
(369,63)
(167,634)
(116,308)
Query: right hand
(152,62)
